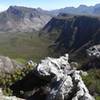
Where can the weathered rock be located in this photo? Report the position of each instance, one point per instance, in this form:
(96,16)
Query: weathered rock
(93,61)
(8,65)
(67,83)
(58,67)
(54,79)
(74,65)
(94,51)
(82,92)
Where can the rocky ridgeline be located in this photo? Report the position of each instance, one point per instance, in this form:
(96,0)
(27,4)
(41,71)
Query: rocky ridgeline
(67,83)
(57,79)
(93,54)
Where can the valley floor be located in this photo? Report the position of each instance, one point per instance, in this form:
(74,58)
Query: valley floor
(23,46)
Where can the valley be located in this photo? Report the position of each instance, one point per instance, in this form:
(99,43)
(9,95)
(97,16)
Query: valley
(23,46)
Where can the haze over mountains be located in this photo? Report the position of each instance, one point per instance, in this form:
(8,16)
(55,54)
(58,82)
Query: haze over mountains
(82,9)
(23,19)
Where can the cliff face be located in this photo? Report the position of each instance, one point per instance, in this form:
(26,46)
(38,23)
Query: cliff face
(73,32)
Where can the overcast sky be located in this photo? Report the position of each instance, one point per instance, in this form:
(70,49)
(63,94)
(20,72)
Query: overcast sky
(46,4)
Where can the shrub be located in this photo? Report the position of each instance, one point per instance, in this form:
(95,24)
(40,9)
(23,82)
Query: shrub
(92,81)
(8,79)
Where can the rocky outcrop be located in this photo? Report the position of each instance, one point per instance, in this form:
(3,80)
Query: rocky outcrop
(94,51)
(8,66)
(69,84)
(93,54)
(55,79)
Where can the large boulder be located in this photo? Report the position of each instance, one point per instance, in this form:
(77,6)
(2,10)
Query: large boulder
(8,65)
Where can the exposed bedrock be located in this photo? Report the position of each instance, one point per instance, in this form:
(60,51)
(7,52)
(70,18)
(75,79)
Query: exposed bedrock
(53,79)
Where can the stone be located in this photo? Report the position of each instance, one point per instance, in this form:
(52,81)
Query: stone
(67,82)
(8,65)
(63,82)
(94,51)
(83,73)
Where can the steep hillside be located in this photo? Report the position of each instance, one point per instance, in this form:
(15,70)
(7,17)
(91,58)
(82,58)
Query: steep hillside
(70,32)
(22,19)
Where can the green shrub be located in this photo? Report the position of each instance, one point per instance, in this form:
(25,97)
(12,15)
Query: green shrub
(97,97)
(8,79)
(92,81)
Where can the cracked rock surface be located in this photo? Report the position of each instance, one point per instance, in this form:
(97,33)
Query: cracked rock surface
(53,79)
(67,83)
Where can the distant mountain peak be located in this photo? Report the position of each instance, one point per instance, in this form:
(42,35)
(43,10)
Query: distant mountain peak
(82,6)
(97,5)
(24,19)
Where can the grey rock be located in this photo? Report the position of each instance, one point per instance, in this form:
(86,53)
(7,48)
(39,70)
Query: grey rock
(8,65)
(94,51)
(83,73)
(68,82)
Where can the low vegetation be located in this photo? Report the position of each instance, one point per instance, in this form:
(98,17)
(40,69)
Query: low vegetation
(92,81)
(23,46)
(6,80)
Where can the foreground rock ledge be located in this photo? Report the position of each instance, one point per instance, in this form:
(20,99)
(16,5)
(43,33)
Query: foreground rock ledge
(67,83)
(56,79)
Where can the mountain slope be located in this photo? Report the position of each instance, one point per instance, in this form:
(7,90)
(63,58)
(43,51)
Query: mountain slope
(23,19)
(73,32)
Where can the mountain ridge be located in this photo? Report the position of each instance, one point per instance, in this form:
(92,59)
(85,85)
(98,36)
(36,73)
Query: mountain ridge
(82,9)
(17,18)
(71,32)
(25,19)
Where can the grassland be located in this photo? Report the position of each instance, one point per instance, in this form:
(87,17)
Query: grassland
(23,46)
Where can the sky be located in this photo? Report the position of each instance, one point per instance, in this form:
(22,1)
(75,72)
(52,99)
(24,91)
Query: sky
(46,4)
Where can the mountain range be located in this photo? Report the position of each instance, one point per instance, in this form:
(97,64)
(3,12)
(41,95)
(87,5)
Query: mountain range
(23,19)
(82,9)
